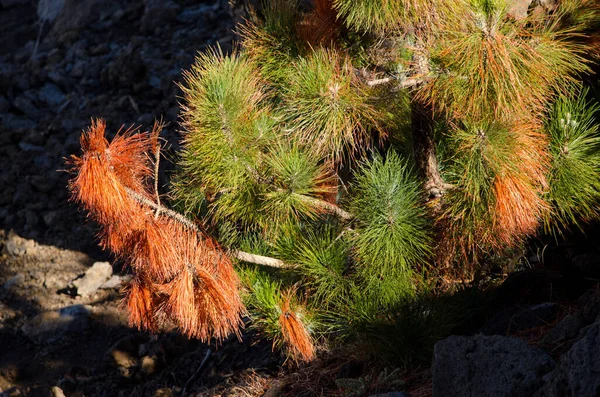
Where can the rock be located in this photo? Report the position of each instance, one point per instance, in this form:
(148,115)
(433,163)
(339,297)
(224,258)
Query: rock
(57,392)
(17,246)
(490,366)
(590,306)
(164,392)
(157,13)
(391,394)
(148,365)
(54,325)
(43,183)
(25,105)
(115,281)
(518,319)
(123,354)
(587,263)
(12,122)
(578,374)
(12,3)
(51,95)
(14,282)
(50,217)
(4,104)
(198,13)
(568,328)
(94,277)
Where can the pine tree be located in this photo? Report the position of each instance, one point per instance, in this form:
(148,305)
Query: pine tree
(347,156)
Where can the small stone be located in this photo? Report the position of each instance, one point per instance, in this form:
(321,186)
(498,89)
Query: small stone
(94,277)
(50,218)
(14,282)
(27,107)
(43,183)
(115,281)
(31,219)
(16,245)
(164,392)
(51,95)
(148,365)
(4,104)
(57,392)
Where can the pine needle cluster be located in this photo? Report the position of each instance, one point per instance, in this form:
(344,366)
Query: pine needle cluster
(180,277)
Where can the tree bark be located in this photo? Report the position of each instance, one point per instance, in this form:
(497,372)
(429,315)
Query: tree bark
(424,148)
(423,127)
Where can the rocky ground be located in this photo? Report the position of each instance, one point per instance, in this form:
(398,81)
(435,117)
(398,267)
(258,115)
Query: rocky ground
(61,330)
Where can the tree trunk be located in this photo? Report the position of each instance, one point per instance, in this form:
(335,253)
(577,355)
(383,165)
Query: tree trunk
(424,148)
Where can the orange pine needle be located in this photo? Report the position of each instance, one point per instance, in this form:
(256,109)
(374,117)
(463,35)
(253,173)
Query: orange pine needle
(296,337)
(139,301)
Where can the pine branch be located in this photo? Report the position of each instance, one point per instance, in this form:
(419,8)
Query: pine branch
(241,255)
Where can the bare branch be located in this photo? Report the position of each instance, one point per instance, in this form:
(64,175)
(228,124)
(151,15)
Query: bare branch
(260,260)
(241,255)
(325,205)
(405,83)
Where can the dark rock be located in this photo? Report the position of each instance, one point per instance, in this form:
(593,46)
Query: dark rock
(590,305)
(93,279)
(26,106)
(12,122)
(587,263)
(517,319)
(43,183)
(12,3)
(391,394)
(198,13)
(568,328)
(51,95)
(157,13)
(578,374)
(490,366)
(4,104)
(31,219)
(50,218)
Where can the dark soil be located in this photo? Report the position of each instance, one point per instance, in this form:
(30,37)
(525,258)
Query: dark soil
(120,60)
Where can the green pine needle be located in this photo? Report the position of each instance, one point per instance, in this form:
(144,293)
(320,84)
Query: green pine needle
(393,232)
(575,175)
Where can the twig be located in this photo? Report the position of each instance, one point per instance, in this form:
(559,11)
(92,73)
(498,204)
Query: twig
(241,255)
(406,83)
(260,260)
(156,167)
(206,357)
(170,213)
(327,206)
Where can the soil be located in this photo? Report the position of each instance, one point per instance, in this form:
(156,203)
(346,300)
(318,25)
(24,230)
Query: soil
(120,60)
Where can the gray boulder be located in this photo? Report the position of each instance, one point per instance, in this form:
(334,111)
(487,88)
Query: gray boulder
(578,374)
(488,366)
